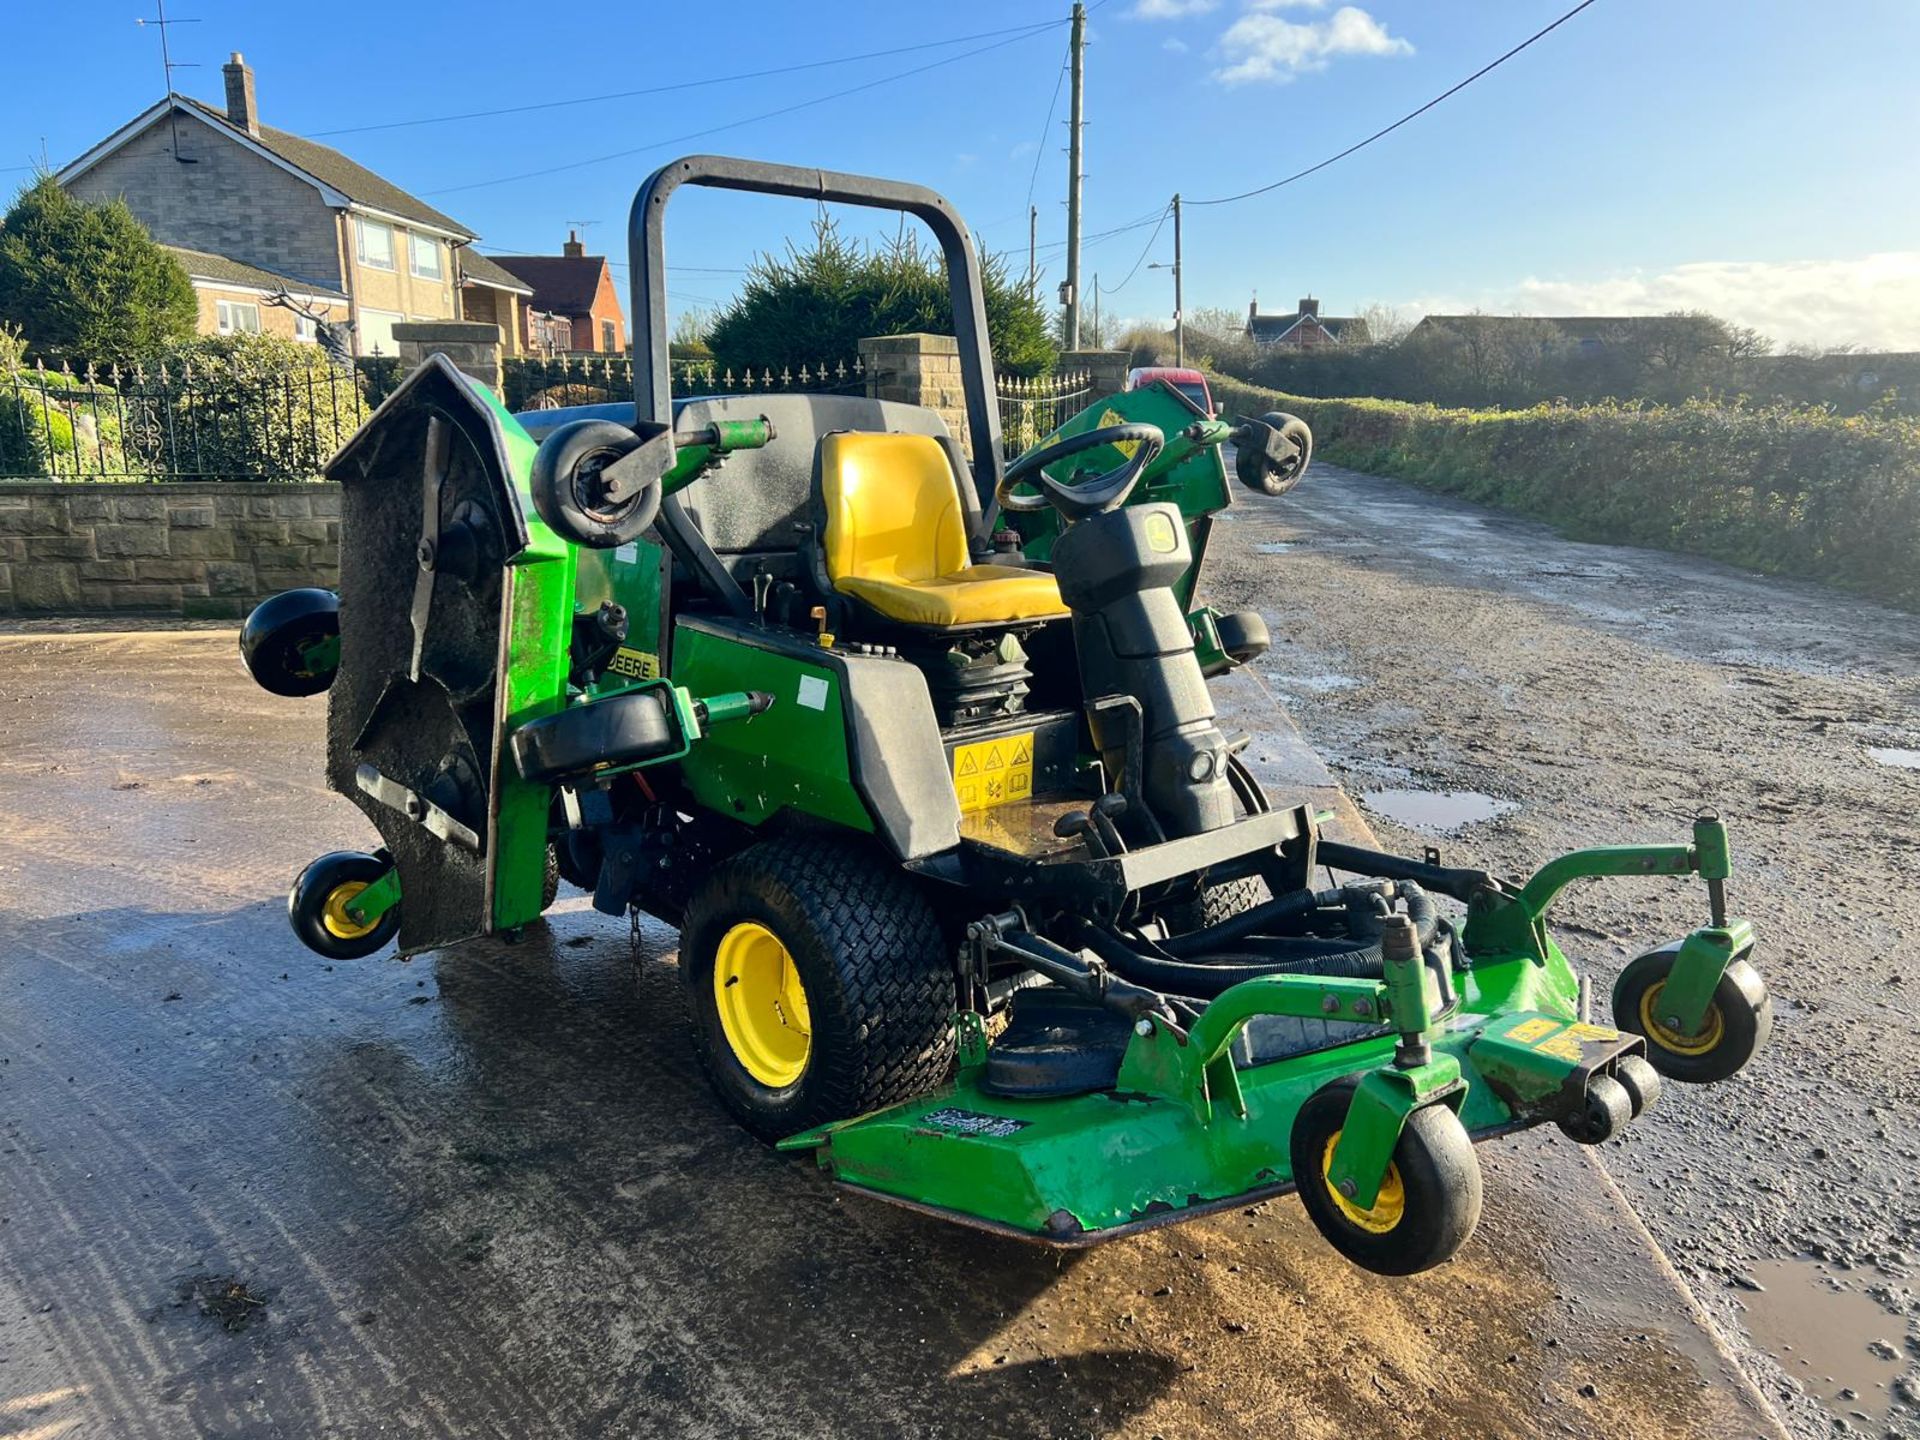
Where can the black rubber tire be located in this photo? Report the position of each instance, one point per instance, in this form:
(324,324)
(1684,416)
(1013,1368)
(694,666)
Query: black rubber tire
(1300,435)
(1439,1174)
(564,482)
(550,882)
(879,979)
(272,637)
(1607,1110)
(1641,1081)
(1244,635)
(618,729)
(1740,1001)
(307,902)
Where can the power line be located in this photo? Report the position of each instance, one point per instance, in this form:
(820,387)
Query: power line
(728,79)
(1046,129)
(1410,115)
(1144,251)
(736,124)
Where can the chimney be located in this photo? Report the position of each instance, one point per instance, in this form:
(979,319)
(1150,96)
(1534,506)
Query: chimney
(1310,306)
(1253,309)
(241,109)
(573,249)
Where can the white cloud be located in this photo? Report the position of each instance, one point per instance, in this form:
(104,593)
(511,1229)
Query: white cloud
(1262,46)
(1173,45)
(1022,148)
(1169,9)
(1872,302)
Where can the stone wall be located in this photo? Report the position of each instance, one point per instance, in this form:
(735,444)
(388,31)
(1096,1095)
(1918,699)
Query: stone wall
(919,370)
(1106,369)
(472,346)
(201,551)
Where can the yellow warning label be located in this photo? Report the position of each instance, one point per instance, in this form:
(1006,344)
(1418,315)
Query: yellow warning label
(1111,416)
(1527,1031)
(634,664)
(992,772)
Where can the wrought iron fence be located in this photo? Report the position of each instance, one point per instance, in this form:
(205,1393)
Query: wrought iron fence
(178,422)
(1032,409)
(542,383)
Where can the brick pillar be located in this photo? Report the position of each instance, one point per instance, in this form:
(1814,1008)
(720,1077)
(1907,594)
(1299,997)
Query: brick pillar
(1106,369)
(919,370)
(471,345)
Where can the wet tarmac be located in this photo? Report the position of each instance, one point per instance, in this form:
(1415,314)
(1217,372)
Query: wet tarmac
(247,1193)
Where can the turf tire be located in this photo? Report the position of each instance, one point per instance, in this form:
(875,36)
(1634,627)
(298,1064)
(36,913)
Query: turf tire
(878,975)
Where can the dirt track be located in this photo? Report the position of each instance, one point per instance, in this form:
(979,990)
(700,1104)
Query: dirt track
(1606,694)
(245,1193)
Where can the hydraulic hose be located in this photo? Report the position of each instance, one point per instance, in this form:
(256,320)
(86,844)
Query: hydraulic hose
(1202,979)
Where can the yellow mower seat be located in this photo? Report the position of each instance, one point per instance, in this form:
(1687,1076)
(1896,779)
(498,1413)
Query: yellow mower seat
(896,538)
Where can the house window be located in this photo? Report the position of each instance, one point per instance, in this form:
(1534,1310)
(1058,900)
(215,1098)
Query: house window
(236,318)
(423,254)
(305,329)
(374,244)
(606,337)
(376,331)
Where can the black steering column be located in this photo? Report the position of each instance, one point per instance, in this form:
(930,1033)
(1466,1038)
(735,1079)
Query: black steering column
(1147,701)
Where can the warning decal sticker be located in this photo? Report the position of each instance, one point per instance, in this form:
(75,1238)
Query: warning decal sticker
(987,773)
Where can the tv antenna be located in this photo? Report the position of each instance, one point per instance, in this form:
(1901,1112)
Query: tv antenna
(168,65)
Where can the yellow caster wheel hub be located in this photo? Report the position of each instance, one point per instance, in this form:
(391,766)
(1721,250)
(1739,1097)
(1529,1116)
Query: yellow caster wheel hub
(333,913)
(1672,1040)
(1389,1206)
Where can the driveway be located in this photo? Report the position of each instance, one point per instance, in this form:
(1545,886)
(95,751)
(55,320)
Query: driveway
(247,1193)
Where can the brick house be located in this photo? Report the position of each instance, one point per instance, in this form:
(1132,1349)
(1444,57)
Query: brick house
(260,217)
(575,305)
(1305,328)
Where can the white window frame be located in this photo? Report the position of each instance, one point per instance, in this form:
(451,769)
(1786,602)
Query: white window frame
(363,227)
(228,317)
(416,242)
(306,330)
(369,341)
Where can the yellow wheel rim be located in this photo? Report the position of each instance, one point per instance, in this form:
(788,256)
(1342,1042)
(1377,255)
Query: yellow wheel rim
(333,914)
(1672,1040)
(1388,1206)
(762,1004)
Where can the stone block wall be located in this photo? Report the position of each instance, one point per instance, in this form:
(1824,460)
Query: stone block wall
(919,370)
(199,551)
(1106,369)
(472,346)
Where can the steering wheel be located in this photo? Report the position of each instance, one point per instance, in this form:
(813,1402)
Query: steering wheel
(1085,498)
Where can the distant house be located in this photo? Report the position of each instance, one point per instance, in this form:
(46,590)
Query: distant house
(1304,328)
(575,305)
(260,217)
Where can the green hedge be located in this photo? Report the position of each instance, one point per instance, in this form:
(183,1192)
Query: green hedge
(1789,491)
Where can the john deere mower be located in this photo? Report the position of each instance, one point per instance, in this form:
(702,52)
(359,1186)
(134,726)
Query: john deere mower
(977,902)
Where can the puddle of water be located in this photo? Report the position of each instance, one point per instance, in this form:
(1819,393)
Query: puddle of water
(1274,547)
(1439,810)
(1832,1341)
(1894,755)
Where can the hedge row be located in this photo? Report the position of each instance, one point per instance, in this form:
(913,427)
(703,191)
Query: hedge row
(1788,491)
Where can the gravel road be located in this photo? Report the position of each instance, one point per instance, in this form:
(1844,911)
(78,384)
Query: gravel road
(1479,683)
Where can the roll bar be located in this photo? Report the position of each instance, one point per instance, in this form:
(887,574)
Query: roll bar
(647,255)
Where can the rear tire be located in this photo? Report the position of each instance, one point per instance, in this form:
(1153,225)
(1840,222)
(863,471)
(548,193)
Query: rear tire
(845,1009)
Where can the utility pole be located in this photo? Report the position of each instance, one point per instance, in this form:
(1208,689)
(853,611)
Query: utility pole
(1179,310)
(1033,232)
(1074,158)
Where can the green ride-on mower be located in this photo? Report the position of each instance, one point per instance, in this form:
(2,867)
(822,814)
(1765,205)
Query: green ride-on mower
(977,902)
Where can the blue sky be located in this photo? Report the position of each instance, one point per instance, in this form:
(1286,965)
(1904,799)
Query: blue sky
(1747,156)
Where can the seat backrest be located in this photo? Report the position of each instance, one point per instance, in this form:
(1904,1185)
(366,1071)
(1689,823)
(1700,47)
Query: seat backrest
(892,508)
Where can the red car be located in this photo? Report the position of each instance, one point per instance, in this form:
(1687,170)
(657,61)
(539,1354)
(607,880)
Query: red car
(1190,383)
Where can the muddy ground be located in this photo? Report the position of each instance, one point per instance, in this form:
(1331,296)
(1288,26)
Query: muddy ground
(1593,694)
(246,1193)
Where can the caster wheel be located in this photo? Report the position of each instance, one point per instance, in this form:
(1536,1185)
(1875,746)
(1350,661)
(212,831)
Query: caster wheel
(1739,1019)
(572,498)
(316,906)
(550,882)
(290,643)
(1427,1206)
(1640,1080)
(1607,1111)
